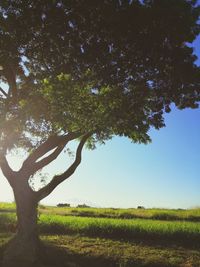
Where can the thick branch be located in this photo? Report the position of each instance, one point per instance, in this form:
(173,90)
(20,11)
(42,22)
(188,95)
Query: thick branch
(51,143)
(3,92)
(10,75)
(45,161)
(46,190)
(7,171)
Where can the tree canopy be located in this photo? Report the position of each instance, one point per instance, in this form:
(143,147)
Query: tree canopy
(106,67)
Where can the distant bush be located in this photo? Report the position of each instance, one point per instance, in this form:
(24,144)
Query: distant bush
(83,206)
(141,207)
(63,205)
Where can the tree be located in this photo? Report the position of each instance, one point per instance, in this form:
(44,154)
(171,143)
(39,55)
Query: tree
(86,70)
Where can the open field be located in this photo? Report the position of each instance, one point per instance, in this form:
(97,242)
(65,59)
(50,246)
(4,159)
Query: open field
(155,214)
(78,241)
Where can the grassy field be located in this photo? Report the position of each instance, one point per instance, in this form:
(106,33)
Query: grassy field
(132,213)
(155,214)
(105,238)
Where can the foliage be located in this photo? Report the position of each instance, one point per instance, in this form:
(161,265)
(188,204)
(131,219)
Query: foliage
(106,67)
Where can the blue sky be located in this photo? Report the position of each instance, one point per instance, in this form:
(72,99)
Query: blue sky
(165,173)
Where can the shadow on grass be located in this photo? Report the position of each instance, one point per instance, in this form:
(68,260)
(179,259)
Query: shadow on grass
(59,257)
(190,241)
(55,256)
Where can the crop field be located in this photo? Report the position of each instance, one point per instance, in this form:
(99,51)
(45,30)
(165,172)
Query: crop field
(155,214)
(79,237)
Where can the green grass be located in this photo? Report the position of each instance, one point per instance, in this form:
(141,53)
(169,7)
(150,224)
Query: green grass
(155,214)
(5,207)
(121,228)
(110,240)
(183,232)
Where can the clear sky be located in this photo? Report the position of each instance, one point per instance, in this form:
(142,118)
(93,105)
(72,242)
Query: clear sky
(165,173)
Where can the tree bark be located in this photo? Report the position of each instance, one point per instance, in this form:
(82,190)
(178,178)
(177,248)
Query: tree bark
(23,249)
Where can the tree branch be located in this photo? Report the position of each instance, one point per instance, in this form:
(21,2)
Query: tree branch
(46,190)
(51,143)
(6,170)
(45,161)
(3,92)
(10,75)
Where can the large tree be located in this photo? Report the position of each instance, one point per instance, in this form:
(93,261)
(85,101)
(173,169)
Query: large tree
(86,70)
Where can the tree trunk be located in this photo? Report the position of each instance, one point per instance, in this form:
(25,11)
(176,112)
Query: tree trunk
(23,249)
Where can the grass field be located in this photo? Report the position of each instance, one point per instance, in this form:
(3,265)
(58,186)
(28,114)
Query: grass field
(155,214)
(103,237)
